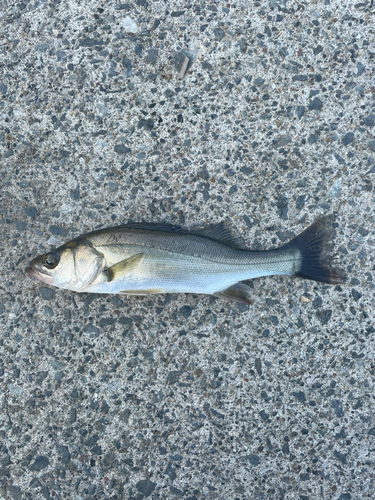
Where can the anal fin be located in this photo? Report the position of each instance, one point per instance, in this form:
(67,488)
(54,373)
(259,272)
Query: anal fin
(123,267)
(238,293)
(143,292)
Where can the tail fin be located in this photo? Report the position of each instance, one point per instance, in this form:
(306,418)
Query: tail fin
(315,244)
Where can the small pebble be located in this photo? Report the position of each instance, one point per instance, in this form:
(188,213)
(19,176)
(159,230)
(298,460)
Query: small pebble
(129,24)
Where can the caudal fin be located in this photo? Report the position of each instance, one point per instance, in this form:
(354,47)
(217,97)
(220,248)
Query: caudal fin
(315,245)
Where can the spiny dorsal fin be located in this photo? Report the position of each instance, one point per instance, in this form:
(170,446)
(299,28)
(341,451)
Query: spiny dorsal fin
(217,232)
(238,293)
(154,226)
(123,267)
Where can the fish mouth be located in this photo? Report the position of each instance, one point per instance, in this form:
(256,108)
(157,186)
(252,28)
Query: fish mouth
(33,273)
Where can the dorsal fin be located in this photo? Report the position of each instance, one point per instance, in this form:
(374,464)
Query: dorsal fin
(154,226)
(217,232)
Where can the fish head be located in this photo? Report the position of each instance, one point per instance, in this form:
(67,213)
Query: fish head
(72,266)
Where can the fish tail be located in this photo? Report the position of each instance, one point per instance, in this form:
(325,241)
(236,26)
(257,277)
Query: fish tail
(314,245)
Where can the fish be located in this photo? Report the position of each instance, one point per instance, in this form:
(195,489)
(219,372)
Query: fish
(153,258)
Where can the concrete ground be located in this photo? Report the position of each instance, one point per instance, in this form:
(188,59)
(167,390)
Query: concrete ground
(182,396)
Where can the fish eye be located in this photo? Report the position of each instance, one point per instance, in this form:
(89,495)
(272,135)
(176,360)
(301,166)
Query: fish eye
(51,260)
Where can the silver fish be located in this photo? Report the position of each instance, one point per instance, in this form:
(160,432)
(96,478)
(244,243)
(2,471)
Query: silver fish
(141,259)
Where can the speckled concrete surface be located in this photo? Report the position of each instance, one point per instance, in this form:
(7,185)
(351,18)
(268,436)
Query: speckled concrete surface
(187,396)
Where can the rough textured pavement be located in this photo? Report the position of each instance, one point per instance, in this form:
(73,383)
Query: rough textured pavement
(187,396)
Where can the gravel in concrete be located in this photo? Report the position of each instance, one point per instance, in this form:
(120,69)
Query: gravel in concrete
(181,396)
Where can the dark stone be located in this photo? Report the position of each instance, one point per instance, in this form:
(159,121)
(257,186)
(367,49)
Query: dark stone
(34,483)
(121,149)
(105,407)
(299,78)
(313,138)
(96,450)
(146,487)
(264,415)
(258,81)
(91,489)
(219,34)
(372,145)
(300,111)
(345,496)
(371,432)
(179,58)
(258,366)
(46,293)
(300,203)
(242,43)
(125,414)
(304,476)
(64,453)
(138,49)
(39,464)
(177,13)
(74,193)
(274,320)
(90,328)
(20,225)
(300,395)
(58,231)
(74,394)
(107,322)
(356,295)
(186,311)
(340,160)
(61,56)
(340,456)
(91,440)
(360,69)
(324,315)
(348,138)
(285,448)
(152,55)
(369,120)
(176,491)
(206,65)
(253,459)
(316,104)
(317,50)
(14,492)
(127,64)
(90,42)
(122,6)
(31,211)
(283,52)
(146,124)
(3,88)
(170,471)
(173,377)
(336,404)
(282,205)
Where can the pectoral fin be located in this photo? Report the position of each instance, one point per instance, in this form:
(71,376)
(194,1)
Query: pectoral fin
(123,267)
(238,293)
